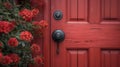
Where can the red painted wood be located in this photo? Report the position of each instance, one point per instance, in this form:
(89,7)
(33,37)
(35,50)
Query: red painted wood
(82,58)
(94,11)
(114,58)
(82,10)
(77,58)
(110,58)
(102,10)
(107,59)
(110,10)
(91,57)
(114,11)
(46,40)
(72,58)
(88,43)
(107,8)
(72,9)
(119,10)
(119,59)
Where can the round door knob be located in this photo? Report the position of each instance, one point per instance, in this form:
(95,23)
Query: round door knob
(58,36)
(57,15)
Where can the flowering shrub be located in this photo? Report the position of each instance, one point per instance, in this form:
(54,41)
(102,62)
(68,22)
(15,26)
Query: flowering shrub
(18,29)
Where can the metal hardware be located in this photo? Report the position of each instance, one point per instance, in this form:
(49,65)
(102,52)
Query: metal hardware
(58,36)
(57,15)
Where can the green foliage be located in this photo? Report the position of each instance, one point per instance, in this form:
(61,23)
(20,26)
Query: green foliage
(12,15)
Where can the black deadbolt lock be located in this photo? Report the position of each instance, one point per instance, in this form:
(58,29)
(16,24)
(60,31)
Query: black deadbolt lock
(58,36)
(57,15)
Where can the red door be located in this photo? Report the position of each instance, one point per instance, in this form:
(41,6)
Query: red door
(92,33)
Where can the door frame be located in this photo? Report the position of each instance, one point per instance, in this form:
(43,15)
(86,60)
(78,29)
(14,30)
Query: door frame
(47,34)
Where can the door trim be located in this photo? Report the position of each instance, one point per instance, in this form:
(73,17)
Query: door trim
(47,35)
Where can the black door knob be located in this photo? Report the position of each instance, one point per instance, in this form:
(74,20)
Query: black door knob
(57,15)
(58,36)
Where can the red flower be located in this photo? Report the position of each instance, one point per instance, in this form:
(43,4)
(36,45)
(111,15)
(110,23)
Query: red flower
(6,60)
(26,35)
(13,42)
(6,27)
(1,57)
(7,5)
(15,58)
(38,60)
(35,48)
(42,24)
(11,26)
(35,12)
(26,14)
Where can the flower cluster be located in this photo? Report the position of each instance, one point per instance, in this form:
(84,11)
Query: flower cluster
(17,34)
(6,27)
(28,14)
(13,42)
(26,35)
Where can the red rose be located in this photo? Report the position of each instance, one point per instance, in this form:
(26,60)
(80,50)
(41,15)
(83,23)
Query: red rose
(26,35)
(6,27)
(15,58)
(13,42)
(35,48)
(35,12)
(38,60)
(6,60)
(7,5)
(26,14)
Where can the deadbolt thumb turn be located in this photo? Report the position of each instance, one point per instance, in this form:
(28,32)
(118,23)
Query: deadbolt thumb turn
(58,36)
(57,15)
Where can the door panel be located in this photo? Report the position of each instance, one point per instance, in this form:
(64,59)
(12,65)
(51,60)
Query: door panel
(83,58)
(77,58)
(72,58)
(110,10)
(110,58)
(72,9)
(92,33)
(75,13)
(82,10)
